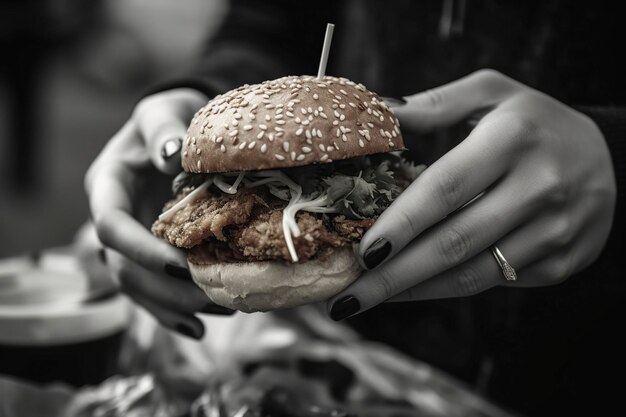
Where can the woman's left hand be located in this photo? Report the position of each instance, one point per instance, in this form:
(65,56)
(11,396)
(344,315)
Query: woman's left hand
(548,202)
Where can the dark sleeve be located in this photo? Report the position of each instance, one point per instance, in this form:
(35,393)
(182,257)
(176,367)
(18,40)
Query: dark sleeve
(612,123)
(257,41)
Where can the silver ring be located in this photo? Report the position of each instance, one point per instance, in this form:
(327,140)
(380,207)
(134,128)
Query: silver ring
(507,269)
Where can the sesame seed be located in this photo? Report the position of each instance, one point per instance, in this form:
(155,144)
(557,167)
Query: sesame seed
(336,146)
(293,156)
(299,131)
(305,122)
(193,140)
(342,117)
(306,149)
(315,96)
(338,133)
(321,146)
(237,115)
(219,140)
(388,134)
(263,148)
(338,97)
(344,138)
(242,145)
(233,133)
(278,116)
(280,122)
(315,113)
(199,164)
(262,127)
(336,113)
(309,141)
(329,148)
(361,143)
(323,115)
(300,157)
(247,127)
(286,146)
(278,129)
(370,125)
(288,113)
(279,157)
(352,104)
(324,157)
(343,92)
(198,151)
(298,120)
(391,145)
(303,110)
(252,116)
(310,118)
(271,137)
(260,135)
(267,117)
(313,132)
(342,106)
(307,133)
(335,122)
(310,110)
(235,122)
(319,133)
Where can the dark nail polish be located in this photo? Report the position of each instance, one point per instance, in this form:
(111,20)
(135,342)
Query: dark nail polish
(187,331)
(216,309)
(177,271)
(344,307)
(395,101)
(171,147)
(376,253)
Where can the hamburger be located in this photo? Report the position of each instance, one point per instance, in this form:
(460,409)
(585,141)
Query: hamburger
(280,179)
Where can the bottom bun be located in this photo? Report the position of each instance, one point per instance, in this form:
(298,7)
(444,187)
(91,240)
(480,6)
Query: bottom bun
(263,286)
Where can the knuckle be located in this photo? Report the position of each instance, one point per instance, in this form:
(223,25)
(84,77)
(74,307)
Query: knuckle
(552,187)
(561,232)
(449,190)
(435,98)
(409,224)
(490,80)
(454,245)
(523,131)
(467,283)
(386,284)
(558,271)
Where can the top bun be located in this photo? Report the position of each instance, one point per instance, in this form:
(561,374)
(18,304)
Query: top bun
(288,122)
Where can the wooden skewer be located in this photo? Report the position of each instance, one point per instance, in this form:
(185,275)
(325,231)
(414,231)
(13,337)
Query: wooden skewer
(325,50)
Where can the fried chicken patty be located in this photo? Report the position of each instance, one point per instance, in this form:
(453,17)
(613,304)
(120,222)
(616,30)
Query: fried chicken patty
(247,226)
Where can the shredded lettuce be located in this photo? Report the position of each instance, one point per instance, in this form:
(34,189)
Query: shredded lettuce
(357,188)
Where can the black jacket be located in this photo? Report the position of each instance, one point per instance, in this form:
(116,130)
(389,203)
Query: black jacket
(543,351)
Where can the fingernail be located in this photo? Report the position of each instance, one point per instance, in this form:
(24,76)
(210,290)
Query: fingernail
(177,271)
(217,309)
(344,307)
(171,147)
(395,101)
(188,331)
(376,253)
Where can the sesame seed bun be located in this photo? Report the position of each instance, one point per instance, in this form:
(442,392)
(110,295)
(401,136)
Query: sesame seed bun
(264,286)
(287,122)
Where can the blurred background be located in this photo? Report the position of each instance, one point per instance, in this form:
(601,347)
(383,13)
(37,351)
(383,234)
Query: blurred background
(70,74)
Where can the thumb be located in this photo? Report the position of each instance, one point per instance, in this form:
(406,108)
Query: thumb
(162,120)
(451,103)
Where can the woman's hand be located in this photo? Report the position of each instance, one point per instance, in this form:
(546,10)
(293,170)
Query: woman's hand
(548,201)
(129,180)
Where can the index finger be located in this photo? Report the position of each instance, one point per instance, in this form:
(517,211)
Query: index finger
(452,181)
(111,189)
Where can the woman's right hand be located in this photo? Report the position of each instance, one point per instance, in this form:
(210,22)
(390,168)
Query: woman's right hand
(128,182)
